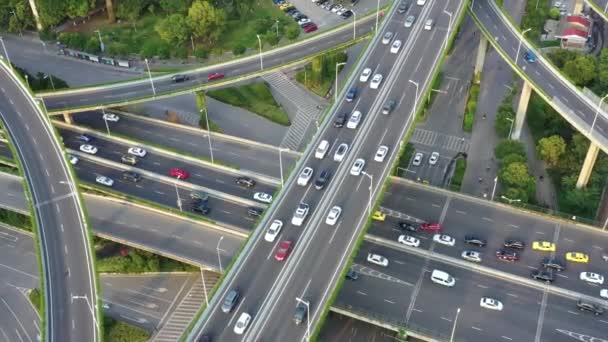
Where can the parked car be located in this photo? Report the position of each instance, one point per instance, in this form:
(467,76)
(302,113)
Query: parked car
(408,227)
(377,259)
(417,159)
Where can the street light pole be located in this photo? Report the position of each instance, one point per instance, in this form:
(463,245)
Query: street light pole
(277,27)
(371,184)
(150,76)
(260,43)
(449,27)
(305,302)
(511,128)
(281,162)
(336,92)
(27,80)
(511,201)
(354,22)
(219,259)
(597,111)
(416,96)
(494,188)
(204,286)
(192,42)
(179,199)
(103,111)
(6,53)
(101,47)
(377,14)
(519,46)
(454,326)
(51,79)
(208,133)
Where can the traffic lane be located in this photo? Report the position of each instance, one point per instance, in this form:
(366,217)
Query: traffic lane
(156,162)
(161,234)
(239,68)
(420,204)
(592,242)
(258,159)
(156,191)
(563,322)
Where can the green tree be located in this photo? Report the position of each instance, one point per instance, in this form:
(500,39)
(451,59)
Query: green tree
(559,57)
(175,6)
(292,32)
(515,174)
(602,71)
(550,149)
(513,158)
(554,13)
(581,70)
(129,9)
(506,147)
(206,21)
(173,29)
(271,38)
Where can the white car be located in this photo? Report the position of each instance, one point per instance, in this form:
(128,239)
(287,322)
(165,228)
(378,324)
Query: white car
(305,176)
(303,21)
(300,214)
(341,10)
(471,256)
(73,159)
(604,293)
(111,117)
(377,259)
(273,231)
(444,239)
(490,303)
(409,21)
(381,153)
(90,149)
(420,2)
(434,158)
(103,180)
(387,38)
(367,72)
(262,197)
(333,215)
(593,278)
(340,152)
(337,8)
(137,151)
(417,159)
(376,80)
(428,24)
(396,46)
(242,323)
(353,121)
(357,167)
(409,240)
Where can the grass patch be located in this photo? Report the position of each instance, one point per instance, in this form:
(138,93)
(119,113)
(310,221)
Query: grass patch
(9,168)
(138,261)
(15,219)
(320,75)
(35,297)
(461,166)
(201,104)
(116,331)
(256,98)
(469,114)
(404,159)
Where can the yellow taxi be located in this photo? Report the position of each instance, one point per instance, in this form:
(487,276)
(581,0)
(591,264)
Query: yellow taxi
(285,6)
(379,216)
(544,246)
(577,257)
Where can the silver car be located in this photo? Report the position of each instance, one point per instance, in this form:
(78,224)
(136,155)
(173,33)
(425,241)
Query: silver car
(409,21)
(388,36)
(471,256)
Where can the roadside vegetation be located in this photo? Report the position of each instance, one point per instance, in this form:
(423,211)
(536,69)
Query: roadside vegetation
(15,219)
(41,81)
(535,15)
(582,69)
(319,76)
(35,297)
(460,168)
(254,97)
(469,111)
(201,104)
(513,173)
(117,331)
(404,160)
(116,258)
(505,117)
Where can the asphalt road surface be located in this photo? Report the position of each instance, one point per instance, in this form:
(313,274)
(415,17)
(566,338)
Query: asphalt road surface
(69,275)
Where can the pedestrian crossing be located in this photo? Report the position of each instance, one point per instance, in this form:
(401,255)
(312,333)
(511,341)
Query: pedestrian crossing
(447,142)
(180,318)
(308,110)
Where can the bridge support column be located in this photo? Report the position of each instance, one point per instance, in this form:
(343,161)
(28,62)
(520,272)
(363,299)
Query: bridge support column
(520,115)
(481,57)
(67,117)
(590,158)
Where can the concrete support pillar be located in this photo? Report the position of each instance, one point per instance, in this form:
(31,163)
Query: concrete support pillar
(67,117)
(481,56)
(590,158)
(522,107)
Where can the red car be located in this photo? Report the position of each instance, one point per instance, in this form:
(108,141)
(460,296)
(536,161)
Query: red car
(179,173)
(310,28)
(430,227)
(283,250)
(509,256)
(215,76)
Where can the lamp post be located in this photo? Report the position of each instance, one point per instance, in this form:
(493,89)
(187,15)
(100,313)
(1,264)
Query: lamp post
(101,47)
(307,303)
(519,46)
(494,188)
(511,201)
(260,44)
(208,133)
(454,326)
(281,149)
(204,286)
(377,14)
(277,22)
(27,80)
(50,77)
(192,43)
(219,259)
(354,22)
(597,111)
(449,27)
(6,53)
(416,96)
(371,184)
(336,92)
(511,128)
(103,111)
(150,76)
(179,199)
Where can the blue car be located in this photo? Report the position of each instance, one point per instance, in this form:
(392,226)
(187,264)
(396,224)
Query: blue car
(352,93)
(529,57)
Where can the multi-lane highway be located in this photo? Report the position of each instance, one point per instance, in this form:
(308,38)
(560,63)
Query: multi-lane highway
(67,262)
(320,252)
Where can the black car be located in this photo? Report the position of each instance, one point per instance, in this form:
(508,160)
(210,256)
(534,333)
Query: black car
(322,179)
(408,227)
(131,176)
(84,138)
(340,120)
(246,182)
(352,275)
(290,10)
(553,264)
(542,275)
(474,240)
(300,314)
(180,78)
(347,14)
(199,206)
(404,5)
(585,306)
(232,297)
(201,196)
(388,107)
(515,244)
(253,211)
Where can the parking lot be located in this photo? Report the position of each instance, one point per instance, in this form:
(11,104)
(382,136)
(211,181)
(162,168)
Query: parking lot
(325,19)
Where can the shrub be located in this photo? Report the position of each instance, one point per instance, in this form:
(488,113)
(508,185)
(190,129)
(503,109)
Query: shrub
(201,52)
(239,49)
(180,52)
(92,45)
(292,32)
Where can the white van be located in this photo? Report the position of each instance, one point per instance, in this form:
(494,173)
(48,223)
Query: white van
(442,278)
(322,149)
